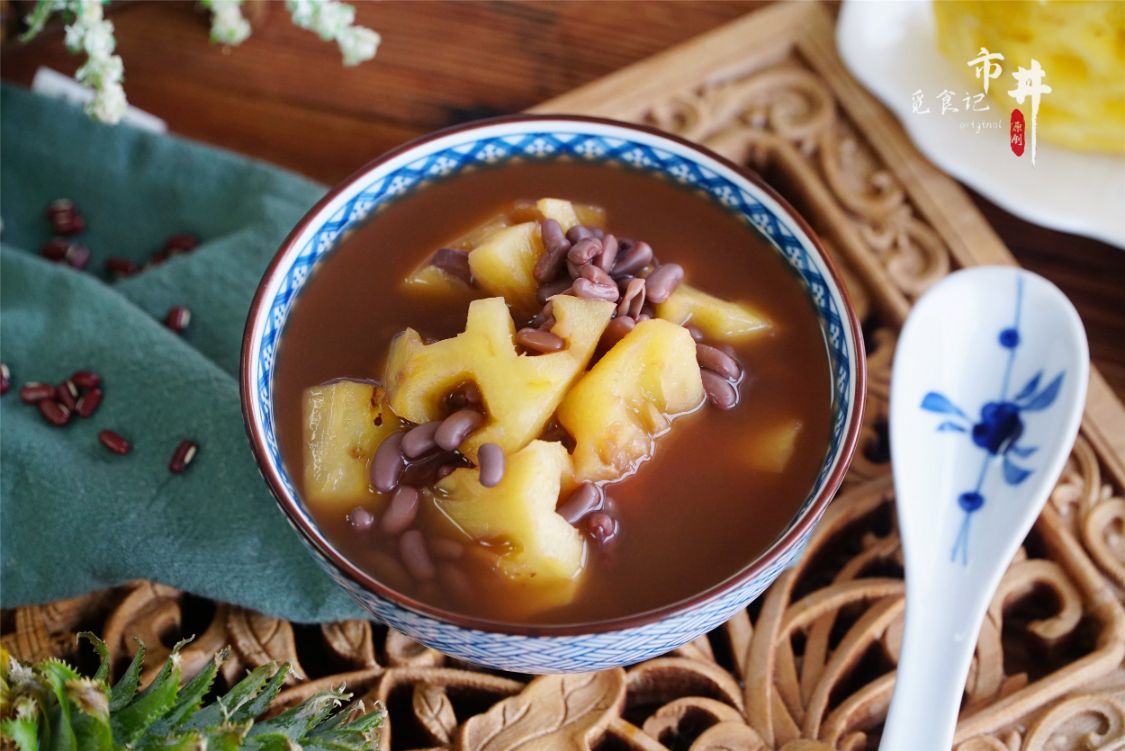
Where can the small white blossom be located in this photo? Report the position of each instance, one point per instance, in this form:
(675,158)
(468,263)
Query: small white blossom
(332,20)
(228,25)
(358,44)
(109,104)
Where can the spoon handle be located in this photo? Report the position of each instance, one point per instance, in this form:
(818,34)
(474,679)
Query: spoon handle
(942,624)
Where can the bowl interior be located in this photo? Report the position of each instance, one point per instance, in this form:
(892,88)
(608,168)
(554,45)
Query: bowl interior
(489,145)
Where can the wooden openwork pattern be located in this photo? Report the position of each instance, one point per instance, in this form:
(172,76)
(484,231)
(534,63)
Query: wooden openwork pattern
(810,666)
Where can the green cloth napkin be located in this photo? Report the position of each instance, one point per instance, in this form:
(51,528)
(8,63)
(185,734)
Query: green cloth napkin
(73,516)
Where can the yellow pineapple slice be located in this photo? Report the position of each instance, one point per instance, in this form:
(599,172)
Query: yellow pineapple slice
(719,320)
(520,392)
(504,261)
(345,422)
(590,215)
(518,516)
(771,448)
(432,281)
(618,409)
(559,210)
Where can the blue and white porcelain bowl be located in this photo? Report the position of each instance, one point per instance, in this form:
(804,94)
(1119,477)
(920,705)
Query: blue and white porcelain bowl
(545,649)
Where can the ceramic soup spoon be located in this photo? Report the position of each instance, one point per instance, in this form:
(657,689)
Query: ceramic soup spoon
(987,393)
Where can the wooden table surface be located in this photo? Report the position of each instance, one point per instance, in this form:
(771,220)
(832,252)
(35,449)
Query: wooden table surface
(283,96)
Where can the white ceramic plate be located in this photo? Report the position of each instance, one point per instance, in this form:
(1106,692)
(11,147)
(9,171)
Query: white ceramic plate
(890,48)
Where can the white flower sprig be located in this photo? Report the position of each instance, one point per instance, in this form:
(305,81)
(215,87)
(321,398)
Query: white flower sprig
(103,71)
(332,20)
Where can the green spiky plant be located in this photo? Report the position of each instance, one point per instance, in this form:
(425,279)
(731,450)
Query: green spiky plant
(51,707)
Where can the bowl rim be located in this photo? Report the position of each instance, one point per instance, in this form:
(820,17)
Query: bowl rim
(765,559)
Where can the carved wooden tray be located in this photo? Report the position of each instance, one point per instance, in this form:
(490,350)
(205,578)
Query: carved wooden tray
(810,665)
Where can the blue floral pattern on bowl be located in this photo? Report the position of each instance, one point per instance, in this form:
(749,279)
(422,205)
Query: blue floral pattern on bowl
(629,149)
(999,429)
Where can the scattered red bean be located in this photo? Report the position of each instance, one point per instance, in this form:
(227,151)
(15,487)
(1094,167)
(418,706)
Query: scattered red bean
(360,518)
(466,394)
(617,329)
(120,268)
(85,379)
(632,256)
(455,581)
(632,296)
(581,502)
(60,206)
(490,457)
(420,440)
(584,251)
(547,291)
(586,289)
(415,556)
(597,232)
(595,274)
(115,442)
(608,257)
(720,391)
(556,247)
(577,233)
(178,318)
(601,527)
(401,511)
(55,249)
(445,548)
(64,217)
(454,263)
(182,457)
(33,392)
(66,394)
(182,243)
(88,402)
(5,379)
(387,466)
(78,256)
(539,341)
(715,359)
(662,282)
(696,334)
(53,412)
(456,428)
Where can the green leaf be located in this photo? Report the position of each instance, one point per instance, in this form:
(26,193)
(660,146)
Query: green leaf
(187,703)
(103,654)
(131,721)
(89,702)
(61,736)
(192,741)
(226,737)
(222,709)
(297,721)
(256,708)
(348,730)
(22,731)
(126,688)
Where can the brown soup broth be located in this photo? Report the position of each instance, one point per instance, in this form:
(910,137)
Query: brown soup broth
(692,516)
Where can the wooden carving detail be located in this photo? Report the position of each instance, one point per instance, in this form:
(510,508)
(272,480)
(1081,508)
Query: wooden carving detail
(810,665)
(783,121)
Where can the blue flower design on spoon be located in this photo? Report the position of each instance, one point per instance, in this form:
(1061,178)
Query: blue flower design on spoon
(999,429)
